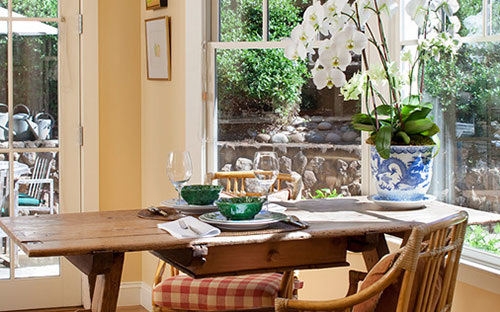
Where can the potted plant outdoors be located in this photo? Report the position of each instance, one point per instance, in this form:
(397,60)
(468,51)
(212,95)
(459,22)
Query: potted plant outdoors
(402,133)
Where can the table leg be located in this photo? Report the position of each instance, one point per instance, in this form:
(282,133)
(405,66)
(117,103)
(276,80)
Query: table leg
(372,256)
(104,272)
(107,286)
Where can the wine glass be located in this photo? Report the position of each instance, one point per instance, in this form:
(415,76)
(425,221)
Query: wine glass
(179,170)
(266,168)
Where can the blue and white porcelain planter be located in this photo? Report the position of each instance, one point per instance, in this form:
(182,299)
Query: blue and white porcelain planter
(406,175)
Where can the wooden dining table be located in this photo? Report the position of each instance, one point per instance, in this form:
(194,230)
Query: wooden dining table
(95,242)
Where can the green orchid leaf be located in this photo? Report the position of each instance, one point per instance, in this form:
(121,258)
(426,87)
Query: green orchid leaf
(436,140)
(432,131)
(382,110)
(417,126)
(363,127)
(419,114)
(403,136)
(383,141)
(363,119)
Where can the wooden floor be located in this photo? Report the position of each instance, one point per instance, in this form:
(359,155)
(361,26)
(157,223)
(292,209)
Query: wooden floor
(120,309)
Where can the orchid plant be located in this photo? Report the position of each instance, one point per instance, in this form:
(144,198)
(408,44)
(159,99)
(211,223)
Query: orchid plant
(395,109)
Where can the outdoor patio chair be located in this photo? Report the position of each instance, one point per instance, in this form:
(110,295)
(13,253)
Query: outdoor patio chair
(254,292)
(419,277)
(234,182)
(36,198)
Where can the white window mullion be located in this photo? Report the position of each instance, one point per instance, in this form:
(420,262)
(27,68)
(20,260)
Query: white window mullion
(265,20)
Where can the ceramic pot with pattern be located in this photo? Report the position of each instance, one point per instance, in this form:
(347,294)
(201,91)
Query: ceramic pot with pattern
(406,175)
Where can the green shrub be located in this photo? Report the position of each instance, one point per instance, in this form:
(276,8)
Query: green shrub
(258,80)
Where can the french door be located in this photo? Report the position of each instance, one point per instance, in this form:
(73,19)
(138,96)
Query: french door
(39,142)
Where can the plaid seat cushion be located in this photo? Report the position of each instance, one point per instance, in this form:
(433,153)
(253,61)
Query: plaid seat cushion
(219,293)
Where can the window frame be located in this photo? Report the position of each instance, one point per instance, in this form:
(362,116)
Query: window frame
(473,257)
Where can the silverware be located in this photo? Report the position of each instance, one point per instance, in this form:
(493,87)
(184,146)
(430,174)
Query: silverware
(158,211)
(189,227)
(296,221)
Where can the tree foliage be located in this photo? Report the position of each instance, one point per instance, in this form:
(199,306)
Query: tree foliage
(258,80)
(470,80)
(34,61)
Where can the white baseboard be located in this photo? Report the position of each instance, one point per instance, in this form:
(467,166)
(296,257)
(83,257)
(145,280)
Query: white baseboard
(135,293)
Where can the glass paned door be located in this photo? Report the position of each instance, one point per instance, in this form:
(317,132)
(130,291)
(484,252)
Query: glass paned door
(39,150)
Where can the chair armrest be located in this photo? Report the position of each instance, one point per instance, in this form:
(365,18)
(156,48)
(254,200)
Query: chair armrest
(33,181)
(282,304)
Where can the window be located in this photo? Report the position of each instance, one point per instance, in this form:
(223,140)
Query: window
(263,101)
(465,91)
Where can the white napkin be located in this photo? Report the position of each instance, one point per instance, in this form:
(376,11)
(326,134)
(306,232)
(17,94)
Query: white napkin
(177,231)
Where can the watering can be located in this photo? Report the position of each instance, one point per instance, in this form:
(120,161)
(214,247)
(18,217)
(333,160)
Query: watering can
(44,124)
(22,125)
(4,119)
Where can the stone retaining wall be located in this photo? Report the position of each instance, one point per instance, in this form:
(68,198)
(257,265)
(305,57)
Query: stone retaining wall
(317,166)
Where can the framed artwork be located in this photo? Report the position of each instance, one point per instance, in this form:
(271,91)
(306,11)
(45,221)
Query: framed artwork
(155,4)
(158,48)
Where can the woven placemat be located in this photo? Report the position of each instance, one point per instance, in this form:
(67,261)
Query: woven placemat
(172,214)
(278,227)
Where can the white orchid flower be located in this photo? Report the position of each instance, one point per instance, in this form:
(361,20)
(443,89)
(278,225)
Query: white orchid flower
(417,9)
(295,50)
(451,7)
(335,58)
(305,35)
(328,77)
(455,24)
(365,10)
(314,16)
(351,39)
(333,8)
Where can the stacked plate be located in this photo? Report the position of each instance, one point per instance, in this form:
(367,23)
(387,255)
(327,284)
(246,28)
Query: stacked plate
(261,221)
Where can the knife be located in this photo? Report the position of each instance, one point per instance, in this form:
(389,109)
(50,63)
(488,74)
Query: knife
(296,221)
(156,210)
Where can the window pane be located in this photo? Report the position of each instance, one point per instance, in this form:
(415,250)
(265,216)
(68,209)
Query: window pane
(471,17)
(3,8)
(284,15)
(34,8)
(4,212)
(409,29)
(494,16)
(35,84)
(4,116)
(466,94)
(266,102)
(240,20)
(36,192)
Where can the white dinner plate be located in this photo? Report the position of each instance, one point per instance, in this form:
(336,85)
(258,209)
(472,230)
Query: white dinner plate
(184,207)
(261,221)
(401,204)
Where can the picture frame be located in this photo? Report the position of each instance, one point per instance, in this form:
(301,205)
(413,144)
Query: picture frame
(158,48)
(156,4)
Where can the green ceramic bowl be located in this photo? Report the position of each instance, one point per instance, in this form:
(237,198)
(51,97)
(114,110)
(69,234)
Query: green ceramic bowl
(240,208)
(200,194)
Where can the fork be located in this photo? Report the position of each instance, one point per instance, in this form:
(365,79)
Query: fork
(185,226)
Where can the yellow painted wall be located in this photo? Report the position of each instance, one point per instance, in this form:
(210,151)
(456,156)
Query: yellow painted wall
(120,112)
(141,120)
(163,116)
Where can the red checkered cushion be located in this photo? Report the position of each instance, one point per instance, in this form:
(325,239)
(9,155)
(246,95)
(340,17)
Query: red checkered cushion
(219,293)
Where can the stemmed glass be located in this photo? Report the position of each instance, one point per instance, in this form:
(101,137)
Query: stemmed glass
(179,170)
(266,168)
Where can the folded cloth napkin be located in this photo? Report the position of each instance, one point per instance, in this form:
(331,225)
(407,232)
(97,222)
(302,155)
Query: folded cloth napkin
(193,225)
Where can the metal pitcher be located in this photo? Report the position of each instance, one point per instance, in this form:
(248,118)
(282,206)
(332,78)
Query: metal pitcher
(21,123)
(45,122)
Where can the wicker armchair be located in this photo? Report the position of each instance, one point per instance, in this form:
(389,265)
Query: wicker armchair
(428,262)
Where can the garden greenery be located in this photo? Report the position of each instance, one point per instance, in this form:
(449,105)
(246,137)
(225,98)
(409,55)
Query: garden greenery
(256,80)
